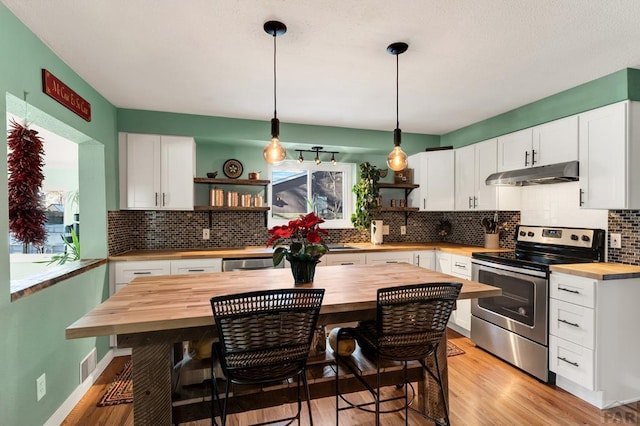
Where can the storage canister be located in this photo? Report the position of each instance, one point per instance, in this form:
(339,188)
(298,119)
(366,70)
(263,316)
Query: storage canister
(232,199)
(245,200)
(257,201)
(216,197)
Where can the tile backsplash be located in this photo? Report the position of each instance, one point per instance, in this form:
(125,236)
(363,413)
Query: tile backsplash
(626,223)
(137,230)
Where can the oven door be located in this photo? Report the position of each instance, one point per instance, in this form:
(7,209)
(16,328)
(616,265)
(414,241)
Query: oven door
(522,308)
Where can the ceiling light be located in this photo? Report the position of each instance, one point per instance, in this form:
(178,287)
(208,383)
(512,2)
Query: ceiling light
(274,152)
(317,150)
(333,159)
(397,158)
(300,157)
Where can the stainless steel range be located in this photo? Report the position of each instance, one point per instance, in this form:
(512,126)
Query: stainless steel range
(514,326)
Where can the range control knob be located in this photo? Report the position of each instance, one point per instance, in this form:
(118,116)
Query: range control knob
(522,233)
(530,234)
(586,238)
(574,237)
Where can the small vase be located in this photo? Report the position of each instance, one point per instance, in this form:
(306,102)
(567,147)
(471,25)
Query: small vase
(303,270)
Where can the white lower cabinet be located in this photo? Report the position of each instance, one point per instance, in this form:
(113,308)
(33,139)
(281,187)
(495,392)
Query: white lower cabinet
(425,259)
(593,347)
(390,257)
(195,266)
(460,319)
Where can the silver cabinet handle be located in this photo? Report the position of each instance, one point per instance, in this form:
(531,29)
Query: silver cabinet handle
(475,202)
(391,261)
(142,273)
(575,364)
(195,270)
(470,198)
(533,157)
(156,203)
(424,203)
(460,265)
(568,290)
(581,194)
(163,199)
(347,263)
(526,158)
(573,324)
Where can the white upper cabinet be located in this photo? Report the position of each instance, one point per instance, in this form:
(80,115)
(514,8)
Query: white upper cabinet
(555,142)
(549,143)
(514,150)
(473,164)
(156,172)
(609,157)
(434,172)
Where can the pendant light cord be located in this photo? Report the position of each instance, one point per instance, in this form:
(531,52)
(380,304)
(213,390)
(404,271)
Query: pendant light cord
(397,92)
(275,112)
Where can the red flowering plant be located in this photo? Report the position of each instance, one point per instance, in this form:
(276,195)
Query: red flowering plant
(300,239)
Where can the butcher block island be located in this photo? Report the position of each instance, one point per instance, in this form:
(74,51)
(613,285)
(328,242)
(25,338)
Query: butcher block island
(151,314)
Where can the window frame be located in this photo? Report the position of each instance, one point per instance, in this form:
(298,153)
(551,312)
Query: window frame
(348,202)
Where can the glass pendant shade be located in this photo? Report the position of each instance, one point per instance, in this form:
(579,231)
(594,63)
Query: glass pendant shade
(274,153)
(397,159)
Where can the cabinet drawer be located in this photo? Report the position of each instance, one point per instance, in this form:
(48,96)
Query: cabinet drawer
(195,266)
(345,259)
(126,271)
(572,322)
(461,266)
(572,289)
(571,361)
(389,257)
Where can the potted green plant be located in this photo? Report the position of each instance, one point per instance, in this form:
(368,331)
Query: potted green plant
(367,196)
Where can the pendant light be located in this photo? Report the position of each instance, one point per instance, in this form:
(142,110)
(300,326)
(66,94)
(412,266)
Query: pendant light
(274,153)
(397,159)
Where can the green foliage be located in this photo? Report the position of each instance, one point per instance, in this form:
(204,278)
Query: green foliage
(72,252)
(367,194)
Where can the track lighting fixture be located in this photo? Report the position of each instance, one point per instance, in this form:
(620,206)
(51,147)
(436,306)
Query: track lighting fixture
(397,159)
(274,152)
(317,150)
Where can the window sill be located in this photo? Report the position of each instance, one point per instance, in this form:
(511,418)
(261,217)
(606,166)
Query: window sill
(40,281)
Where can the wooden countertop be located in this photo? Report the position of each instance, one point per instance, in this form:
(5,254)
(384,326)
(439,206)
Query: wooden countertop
(159,303)
(249,252)
(599,271)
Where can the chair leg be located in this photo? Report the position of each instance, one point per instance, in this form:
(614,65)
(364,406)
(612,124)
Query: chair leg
(223,418)
(377,391)
(442,395)
(406,394)
(306,389)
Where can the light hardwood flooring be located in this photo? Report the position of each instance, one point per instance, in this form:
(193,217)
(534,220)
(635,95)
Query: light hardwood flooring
(482,390)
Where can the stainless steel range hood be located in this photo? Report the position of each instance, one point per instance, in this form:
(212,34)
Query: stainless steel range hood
(553,173)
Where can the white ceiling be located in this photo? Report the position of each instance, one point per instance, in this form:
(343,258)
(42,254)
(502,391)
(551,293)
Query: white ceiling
(467,60)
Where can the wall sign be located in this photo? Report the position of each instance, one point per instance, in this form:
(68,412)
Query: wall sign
(59,91)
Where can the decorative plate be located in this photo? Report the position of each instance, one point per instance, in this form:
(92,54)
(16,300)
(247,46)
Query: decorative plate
(232,169)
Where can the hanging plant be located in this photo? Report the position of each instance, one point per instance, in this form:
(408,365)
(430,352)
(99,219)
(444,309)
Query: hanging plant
(367,196)
(24,163)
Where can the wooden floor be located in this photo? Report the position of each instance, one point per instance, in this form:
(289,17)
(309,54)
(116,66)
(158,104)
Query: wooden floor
(482,389)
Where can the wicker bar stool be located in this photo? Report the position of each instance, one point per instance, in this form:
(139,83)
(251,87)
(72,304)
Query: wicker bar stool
(411,321)
(264,336)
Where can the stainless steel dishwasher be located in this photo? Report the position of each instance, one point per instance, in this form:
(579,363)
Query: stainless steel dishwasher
(249,264)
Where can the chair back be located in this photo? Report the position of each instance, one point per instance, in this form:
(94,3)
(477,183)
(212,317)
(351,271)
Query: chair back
(412,319)
(265,335)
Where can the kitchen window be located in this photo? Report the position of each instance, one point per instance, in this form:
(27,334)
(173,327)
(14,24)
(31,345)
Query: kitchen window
(297,188)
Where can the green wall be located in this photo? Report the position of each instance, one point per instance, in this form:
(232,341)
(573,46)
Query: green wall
(32,328)
(219,139)
(619,86)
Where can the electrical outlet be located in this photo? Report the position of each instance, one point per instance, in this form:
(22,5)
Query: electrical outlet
(615,240)
(41,387)
(385,229)
(403,229)
(206,234)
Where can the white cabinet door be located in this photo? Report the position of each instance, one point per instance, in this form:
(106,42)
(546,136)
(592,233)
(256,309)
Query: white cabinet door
(345,259)
(514,150)
(425,259)
(443,262)
(465,181)
(486,163)
(555,142)
(436,177)
(178,171)
(159,172)
(143,171)
(603,157)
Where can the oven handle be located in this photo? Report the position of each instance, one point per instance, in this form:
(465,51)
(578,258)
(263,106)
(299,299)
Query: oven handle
(502,267)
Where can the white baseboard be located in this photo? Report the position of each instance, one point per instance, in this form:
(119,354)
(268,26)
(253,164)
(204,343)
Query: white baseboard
(458,329)
(63,411)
